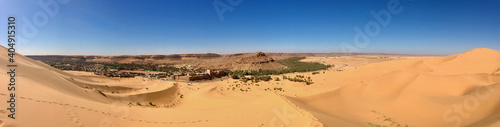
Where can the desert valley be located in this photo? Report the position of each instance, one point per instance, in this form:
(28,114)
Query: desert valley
(258,90)
(250,63)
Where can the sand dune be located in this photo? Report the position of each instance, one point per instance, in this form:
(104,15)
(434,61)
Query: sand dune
(456,90)
(418,92)
(156,98)
(50,97)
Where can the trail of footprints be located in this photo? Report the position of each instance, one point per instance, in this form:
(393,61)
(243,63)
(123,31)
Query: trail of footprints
(72,116)
(76,120)
(314,121)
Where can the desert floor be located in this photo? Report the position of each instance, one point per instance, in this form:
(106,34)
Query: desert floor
(456,90)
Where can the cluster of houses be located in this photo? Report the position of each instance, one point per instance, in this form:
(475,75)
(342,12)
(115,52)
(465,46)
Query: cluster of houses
(115,73)
(188,77)
(207,75)
(100,69)
(75,66)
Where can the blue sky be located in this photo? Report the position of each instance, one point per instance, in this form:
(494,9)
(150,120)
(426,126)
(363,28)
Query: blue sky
(128,27)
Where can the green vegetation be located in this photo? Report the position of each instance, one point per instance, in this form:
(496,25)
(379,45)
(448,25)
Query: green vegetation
(386,119)
(94,66)
(279,89)
(235,77)
(256,78)
(147,67)
(275,89)
(101,93)
(293,65)
(154,75)
(375,125)
(264,78)
(299,78)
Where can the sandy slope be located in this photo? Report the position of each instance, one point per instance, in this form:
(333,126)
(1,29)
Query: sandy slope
(457,90)
(49,97)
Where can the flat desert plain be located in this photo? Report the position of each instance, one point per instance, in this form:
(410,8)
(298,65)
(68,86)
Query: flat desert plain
(455,90)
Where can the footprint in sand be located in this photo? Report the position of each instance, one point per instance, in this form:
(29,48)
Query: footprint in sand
(75,119)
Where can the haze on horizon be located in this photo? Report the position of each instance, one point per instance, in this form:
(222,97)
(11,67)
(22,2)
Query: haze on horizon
(127,27)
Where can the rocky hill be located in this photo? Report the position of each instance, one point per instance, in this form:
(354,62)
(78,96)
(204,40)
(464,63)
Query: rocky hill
(245,61)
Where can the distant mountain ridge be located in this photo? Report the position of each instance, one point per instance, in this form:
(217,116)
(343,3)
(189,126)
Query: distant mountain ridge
(138,59)
(97,58)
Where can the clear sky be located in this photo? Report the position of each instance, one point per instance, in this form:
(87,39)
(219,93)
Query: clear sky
(128,27)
